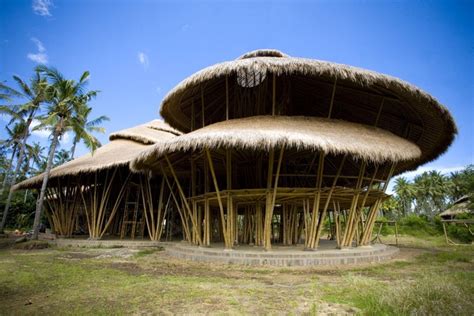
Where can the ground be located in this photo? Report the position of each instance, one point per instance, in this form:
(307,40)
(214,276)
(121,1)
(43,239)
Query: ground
(427,278)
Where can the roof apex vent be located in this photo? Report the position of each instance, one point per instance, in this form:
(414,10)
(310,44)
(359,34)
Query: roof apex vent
(263,53)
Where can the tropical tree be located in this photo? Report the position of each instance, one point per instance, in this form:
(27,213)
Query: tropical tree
(13,142)
(34,158)
(61,157)
(6,92)
(431,192)
(67,97)
(35,93)
(405,192)
(89,127)
(463,183)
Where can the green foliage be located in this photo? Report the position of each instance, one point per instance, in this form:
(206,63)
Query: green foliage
(21,211)
(418,226)
(430,193)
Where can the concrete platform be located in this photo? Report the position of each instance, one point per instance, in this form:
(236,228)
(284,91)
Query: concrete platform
(105,243)
(326,255)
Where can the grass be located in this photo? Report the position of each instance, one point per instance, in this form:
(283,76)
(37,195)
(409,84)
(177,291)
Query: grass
(432,279)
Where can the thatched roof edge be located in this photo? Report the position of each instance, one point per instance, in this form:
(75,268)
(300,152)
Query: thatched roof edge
(303,133)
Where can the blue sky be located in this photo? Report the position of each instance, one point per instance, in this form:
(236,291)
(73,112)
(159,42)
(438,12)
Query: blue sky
(137,51)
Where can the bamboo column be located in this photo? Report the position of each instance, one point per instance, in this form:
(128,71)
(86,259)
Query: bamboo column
(271,197)
(225,230)
(310,243)
(326,205)
(184,200)
(350,224)
(373,212)
(181,212)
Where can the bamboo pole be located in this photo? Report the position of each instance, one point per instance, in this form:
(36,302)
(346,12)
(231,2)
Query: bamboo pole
(183,197)
(326,205)
(202,106)
(227,243)
(346,240)
(310,244)
(226,98)
(373,213)
(271,198)
(332,98)
(178,207)
(274,95)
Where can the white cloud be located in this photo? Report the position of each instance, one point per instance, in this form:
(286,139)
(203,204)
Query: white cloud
(40,57)
(65,139)
(41,133)
(39,45)
(41,7)
(143,59)
(184,27)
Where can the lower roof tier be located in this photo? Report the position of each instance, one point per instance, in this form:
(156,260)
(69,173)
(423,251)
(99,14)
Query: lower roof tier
(300,136)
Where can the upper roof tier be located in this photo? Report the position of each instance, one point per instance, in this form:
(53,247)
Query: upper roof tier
(266,82)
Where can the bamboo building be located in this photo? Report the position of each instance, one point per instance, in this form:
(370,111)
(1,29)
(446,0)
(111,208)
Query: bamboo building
(274,148)
(262,150)
(98,195)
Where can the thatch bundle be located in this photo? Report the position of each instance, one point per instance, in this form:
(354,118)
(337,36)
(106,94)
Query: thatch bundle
(300,133)
(124,147)
(306,87)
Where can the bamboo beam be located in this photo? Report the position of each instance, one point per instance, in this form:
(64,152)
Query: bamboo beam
(226,98)
(332,98)
(274,95)
(379,112)
(202,106)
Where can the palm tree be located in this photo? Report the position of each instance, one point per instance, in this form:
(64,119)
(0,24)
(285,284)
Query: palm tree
(61,157)
(405,194)
(35,157)
(36,93)
(431,191)
(86,125)
(13,141)
(66,98)
(6,93)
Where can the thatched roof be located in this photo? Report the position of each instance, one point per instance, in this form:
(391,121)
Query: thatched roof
(147,134)
(301,133)
(305,87)
(124,146)
(460,206)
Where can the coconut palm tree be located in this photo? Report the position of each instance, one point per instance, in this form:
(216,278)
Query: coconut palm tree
(61,157)
(86,125)
(13,141)
(6,92)
(66,98)
(405,194)
(431,192)
(35,93)
(35,157)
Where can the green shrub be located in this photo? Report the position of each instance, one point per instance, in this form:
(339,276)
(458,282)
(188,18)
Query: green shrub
(417,226)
